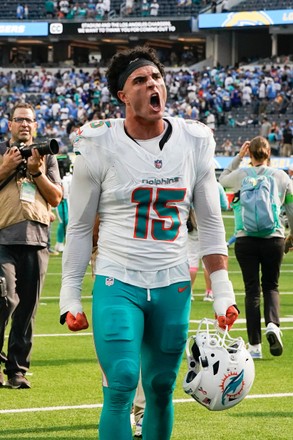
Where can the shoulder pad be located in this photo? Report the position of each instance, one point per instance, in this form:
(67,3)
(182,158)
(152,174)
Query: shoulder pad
(197,128)
(94,128)
(90,130)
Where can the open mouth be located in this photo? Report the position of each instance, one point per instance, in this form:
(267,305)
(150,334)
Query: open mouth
(155,101)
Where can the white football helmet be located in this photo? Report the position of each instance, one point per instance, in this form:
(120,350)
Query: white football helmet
(221,371)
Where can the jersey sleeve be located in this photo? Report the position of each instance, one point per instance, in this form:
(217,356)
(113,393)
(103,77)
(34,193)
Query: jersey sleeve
(231,177)
(83,201)
(206,201)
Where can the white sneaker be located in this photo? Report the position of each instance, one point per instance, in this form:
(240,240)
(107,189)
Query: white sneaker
(208,296)
(273,335)
(138,428)
(254,351)
(59,247)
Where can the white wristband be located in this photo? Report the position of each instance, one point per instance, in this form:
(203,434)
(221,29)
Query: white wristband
(223,291)
(70,301)
(220,282)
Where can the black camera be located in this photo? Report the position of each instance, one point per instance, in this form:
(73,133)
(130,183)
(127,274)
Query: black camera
(64,164)
(48,147)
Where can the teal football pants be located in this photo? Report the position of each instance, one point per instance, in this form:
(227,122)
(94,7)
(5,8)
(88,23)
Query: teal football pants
(136,327)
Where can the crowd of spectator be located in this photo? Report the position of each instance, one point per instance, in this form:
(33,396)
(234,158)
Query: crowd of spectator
(100,9)
(84,10)
(22,11)
(105,9)
(215,96)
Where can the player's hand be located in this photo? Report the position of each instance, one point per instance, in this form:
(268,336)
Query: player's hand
(228,319)
(75,318)
(76,322)
(288,244)
(225,303)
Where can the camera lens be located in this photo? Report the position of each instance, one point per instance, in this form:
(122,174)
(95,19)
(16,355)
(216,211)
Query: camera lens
(50,147)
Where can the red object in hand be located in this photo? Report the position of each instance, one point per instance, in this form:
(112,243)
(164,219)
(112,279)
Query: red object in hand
(76,323)
(228,320)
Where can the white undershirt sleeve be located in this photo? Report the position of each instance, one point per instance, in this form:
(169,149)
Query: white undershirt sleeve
(83,202)
(211,231)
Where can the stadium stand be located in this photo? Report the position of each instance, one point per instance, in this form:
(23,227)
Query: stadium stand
(258,5)
(79,92)
(167,8)
(64,97)
(36,9)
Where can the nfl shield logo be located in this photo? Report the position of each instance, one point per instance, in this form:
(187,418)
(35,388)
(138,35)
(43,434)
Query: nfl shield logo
(109,281)
(158,164)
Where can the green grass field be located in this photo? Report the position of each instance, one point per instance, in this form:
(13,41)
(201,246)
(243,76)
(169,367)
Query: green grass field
(66,398)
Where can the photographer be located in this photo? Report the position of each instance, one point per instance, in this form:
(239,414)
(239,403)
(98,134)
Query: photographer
(29,186)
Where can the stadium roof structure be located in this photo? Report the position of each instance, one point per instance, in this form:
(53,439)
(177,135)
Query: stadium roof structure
(223,38)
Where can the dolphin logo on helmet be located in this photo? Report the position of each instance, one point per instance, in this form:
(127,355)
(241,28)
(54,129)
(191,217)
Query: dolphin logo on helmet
(220,369)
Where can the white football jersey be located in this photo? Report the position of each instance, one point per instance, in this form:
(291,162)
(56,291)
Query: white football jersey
(143,199)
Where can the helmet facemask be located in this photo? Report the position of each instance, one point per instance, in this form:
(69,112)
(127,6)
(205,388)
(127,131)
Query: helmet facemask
(221,371)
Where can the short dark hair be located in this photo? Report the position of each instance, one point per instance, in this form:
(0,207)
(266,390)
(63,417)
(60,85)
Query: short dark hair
(22,105)
(121,60)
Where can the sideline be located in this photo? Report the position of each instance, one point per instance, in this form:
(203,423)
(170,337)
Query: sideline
(100,405)
(288,319)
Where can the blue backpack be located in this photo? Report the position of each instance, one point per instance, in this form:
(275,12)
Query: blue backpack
(258,207)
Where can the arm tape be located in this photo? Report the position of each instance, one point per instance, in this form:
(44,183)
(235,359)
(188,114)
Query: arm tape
(221,283)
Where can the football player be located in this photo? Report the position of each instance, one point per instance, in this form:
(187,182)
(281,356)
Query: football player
(141,174)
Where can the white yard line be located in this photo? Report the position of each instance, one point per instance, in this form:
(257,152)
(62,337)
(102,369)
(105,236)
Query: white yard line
(243,320)
(100,405)
(288,319)
(199,295)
